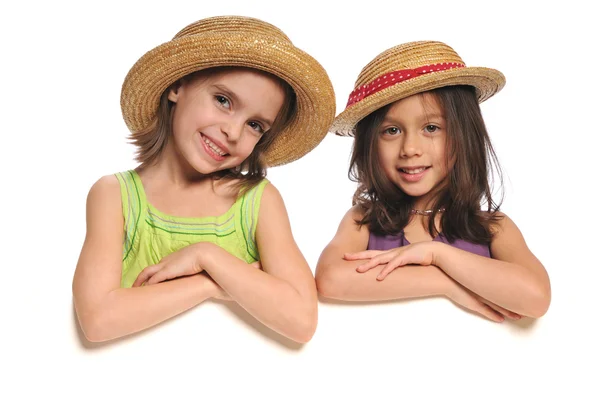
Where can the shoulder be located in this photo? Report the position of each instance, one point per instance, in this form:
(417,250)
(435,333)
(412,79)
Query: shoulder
(500,222)
(351,236)
(103,206)
(105,187)
(350,225)
(269,191)
(496,221)
(504,230)
(239,188)
(356,212)
(272,217)
(256,194)
(271,200)
(352,217)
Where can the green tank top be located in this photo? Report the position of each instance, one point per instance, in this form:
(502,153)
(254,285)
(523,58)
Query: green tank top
(150,234)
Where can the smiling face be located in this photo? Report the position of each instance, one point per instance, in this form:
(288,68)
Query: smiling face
(412,146)
(218,119)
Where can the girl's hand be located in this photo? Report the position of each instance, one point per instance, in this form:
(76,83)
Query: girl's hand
(506,313)
(221,294)
(421,253)
(183,262)
(469,300)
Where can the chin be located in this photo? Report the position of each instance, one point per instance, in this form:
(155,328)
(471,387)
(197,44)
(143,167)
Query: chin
(414,191)
(203,167)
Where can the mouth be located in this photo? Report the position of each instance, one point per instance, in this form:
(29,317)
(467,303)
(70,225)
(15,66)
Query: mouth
(213,148)
(413,170)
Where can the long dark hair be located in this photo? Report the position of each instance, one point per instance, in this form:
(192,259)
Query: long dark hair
(151,143)
(462,193)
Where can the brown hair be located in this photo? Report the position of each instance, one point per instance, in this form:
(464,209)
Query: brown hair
(151,142)
(462,193)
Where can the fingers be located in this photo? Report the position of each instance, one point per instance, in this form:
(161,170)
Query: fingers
(489,313)
(220,293)
(364,255)
(503,311)
(162,275)
(168,272)
(483,309)
(392,265)
(372,263)
(147,273)
(470,302)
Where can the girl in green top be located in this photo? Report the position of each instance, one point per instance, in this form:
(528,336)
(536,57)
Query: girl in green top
(208,111)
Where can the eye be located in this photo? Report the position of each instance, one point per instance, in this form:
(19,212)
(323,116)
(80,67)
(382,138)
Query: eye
(391,131)
(256,127)
(431,128)
(223,101)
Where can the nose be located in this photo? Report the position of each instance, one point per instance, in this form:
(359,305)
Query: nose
(232,129)
(411,145)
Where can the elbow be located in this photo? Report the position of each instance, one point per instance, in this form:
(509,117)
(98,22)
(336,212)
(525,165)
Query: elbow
(93,323)
(536,301)
(306,329)
(327,283)
(302,322)
(306,323)
(540,302)
(93,328)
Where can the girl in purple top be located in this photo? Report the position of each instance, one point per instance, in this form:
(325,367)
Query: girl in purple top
(422,158)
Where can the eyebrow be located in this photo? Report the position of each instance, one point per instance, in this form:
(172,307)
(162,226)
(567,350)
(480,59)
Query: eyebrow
(427,117)
(238,100)
(434,116)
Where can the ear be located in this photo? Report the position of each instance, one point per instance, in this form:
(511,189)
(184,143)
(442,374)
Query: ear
(174,92)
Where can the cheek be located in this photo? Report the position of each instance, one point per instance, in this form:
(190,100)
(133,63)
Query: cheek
(181,121)
(443,164)
(386,155)
(387,162)
(439,151)
(192,116)
(248,144)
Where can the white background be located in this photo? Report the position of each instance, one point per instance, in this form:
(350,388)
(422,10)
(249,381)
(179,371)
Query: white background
(62,66)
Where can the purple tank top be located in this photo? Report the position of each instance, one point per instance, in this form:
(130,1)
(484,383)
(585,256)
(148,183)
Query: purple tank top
(379,242)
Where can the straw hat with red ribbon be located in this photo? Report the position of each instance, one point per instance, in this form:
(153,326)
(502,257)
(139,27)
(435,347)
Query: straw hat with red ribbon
(409,69)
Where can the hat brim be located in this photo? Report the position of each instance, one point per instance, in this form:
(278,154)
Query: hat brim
(155,71)
(486,81)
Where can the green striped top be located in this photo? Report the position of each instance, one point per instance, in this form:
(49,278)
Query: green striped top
(150,234)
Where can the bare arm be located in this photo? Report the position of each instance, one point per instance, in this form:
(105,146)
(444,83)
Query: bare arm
(513,279)
(337,278)
(284,296)
(104,309)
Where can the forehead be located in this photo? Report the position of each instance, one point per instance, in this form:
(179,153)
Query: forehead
(416,106)
(241,77)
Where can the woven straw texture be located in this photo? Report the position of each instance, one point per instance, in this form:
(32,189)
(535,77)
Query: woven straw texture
(235,41)
(414,55)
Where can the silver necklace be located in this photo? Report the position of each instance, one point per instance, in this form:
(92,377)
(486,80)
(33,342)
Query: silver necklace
(425,212)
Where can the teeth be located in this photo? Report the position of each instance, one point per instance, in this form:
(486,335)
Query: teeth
(212,146)
(414,171)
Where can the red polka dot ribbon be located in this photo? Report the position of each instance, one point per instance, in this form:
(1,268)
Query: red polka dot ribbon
(389,79)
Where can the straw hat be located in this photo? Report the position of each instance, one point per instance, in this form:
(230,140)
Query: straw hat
(235,41)
(408,69)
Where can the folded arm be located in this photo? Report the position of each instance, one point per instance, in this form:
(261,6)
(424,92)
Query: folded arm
(513,278)
(283,294)
(337,277)
(104,309)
